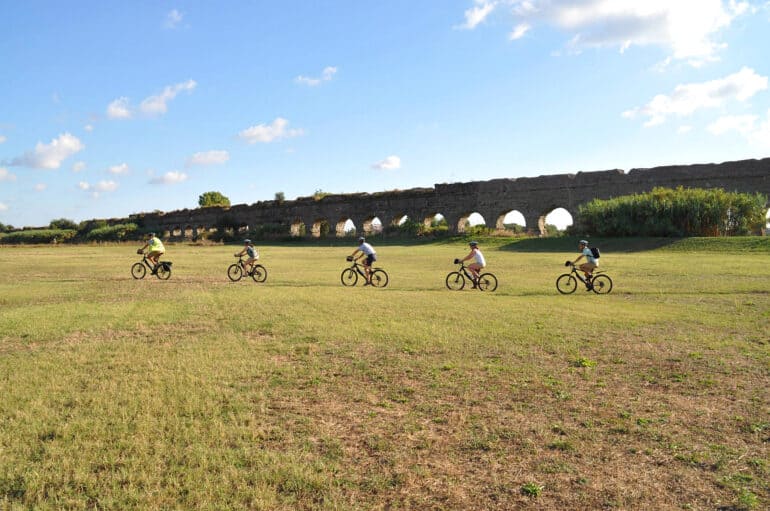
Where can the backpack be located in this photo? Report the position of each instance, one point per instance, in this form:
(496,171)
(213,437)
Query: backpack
(595,252)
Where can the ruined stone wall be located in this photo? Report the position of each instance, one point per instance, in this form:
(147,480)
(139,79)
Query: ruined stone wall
(533,197)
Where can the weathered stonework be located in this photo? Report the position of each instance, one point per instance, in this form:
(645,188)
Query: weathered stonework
(533,197)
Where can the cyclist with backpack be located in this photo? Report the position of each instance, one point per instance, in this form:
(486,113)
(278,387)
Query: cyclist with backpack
(592,259)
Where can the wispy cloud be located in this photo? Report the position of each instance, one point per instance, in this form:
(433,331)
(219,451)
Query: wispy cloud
(390,163)
(208,158)
(50,156)
(6,176)
(169,178)
(98,188)
(477,14)
(272,132)
(79,166)
(3,207)
(688,98)
(121,108)
(156,105)
(173,19)
(39,187)
(118,169)
(2,139)
(326,75)
(689,29)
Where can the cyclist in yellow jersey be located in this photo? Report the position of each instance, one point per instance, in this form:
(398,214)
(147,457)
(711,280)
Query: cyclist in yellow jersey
(156,249)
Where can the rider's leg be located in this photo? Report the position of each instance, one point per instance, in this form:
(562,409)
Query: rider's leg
(587,269)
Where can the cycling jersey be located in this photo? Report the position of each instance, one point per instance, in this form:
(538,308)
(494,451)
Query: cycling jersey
(156,245)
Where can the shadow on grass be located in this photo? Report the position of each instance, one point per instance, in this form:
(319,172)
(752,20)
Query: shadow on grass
(569,244)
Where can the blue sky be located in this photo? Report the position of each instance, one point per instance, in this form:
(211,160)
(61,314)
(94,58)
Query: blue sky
(111,108)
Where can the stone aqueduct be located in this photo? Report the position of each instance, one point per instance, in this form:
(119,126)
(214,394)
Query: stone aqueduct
(533,197)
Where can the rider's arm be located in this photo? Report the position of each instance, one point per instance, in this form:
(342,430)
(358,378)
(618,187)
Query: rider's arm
(469,256)
(144,246)
(240,253)
(578,259)
(353,255)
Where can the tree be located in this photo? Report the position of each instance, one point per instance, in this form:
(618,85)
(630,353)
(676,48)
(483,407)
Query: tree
(62,223)
(279,197)
(213,199)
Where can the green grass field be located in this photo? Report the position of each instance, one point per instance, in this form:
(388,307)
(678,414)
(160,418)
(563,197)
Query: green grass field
(200,393)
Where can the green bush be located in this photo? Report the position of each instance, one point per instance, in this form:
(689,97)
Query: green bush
(118,232)
(37,236)
(674,212)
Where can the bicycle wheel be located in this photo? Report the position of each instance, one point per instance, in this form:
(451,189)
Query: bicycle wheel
(234,272)
(566,284)
(164,271)
(138,271)
(379,278)
(487,282)
(259,273)
(349,277)
(455,281)
(602,284)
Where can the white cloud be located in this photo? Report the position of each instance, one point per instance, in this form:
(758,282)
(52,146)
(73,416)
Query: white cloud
(51,156)
(40,187)
(173,19)
(743,124)
(152,105)
(97,188)
(2,138)
(519,31)
(326,75)
(169,178)
(687,28)
(118,169)
(119,109)
(390,163)
(208,158)
(684,129)
(89,128)
(156,105)
(3,207)
(688,98)
(761,136)
(276,130)
(478,13)
(6,176)
(78,166)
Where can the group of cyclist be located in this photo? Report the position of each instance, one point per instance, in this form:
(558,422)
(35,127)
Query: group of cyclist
(366,251)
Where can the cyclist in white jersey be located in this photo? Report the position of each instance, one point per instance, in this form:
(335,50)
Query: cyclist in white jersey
(367,251)
(478,261)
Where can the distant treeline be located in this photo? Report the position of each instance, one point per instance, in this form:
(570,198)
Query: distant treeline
(674,212)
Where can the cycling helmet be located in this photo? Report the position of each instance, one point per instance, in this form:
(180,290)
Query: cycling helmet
(583,242)
(151,235)
(361,239)
(473,244)
(247,241)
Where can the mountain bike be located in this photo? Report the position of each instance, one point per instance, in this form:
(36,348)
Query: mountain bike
(349,276)
(600,283)
(236,270)
(456,279)
(162,270)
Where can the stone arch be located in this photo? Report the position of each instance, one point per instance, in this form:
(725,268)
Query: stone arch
(399,219)
(298,228)
(188,231)
(470,219)
(176,231)
(558,216)
(166,233)
(345,227)
(513,219)
(372,225)
(320,228)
